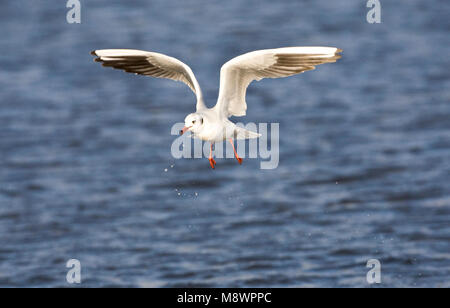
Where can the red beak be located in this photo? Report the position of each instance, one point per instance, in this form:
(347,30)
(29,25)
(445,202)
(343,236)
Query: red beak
(185,129)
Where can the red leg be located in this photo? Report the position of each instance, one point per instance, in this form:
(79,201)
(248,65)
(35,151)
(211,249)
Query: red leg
(212,162)
(235,153)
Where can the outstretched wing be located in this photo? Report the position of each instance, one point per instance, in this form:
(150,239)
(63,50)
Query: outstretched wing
(238,73)
(150,64)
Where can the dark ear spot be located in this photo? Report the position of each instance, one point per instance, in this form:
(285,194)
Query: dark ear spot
(201,120)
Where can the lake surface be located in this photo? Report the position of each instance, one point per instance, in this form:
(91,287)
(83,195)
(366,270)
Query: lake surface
(86,170)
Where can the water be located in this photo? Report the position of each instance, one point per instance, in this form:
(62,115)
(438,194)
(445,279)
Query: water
(86,170)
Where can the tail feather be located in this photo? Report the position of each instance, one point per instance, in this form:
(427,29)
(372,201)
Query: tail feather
(242,133)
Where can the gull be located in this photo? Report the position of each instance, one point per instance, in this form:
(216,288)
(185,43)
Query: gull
(213,124)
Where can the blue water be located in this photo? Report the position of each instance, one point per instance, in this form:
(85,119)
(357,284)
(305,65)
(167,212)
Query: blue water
(364,148)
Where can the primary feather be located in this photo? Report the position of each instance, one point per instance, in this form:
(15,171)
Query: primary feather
(150,64)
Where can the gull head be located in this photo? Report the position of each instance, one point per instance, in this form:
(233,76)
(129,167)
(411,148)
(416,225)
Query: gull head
(193,123)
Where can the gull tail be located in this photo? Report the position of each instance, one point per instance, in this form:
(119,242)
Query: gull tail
(242,133)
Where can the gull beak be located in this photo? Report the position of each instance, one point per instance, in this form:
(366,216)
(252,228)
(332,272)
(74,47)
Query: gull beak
(185,129)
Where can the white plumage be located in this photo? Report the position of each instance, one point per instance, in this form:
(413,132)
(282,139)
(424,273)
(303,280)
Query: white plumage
(212,124)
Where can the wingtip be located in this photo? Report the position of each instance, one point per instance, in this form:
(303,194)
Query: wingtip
(93,52)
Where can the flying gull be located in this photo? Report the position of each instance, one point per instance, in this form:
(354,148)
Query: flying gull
(213,124)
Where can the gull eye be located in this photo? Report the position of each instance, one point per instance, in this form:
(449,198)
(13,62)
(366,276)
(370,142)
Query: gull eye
(193,122)
(201,120)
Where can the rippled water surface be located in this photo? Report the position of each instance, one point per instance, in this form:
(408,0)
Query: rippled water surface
(364,148)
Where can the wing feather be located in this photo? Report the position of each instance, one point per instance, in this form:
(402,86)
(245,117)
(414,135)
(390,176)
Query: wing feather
(237,74)
(150,64)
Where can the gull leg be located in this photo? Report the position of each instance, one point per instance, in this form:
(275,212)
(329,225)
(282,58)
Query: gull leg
(235,153)
(212,162)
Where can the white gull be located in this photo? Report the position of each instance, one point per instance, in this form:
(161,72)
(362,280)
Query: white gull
(212,124)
